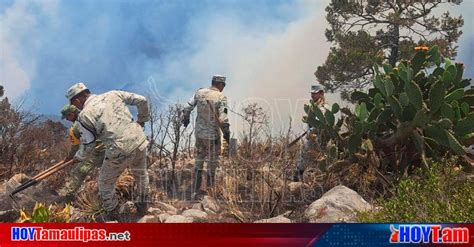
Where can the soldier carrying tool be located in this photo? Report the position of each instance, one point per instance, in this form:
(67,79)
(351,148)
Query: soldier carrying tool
(317,96)
(106,117)
(211,119)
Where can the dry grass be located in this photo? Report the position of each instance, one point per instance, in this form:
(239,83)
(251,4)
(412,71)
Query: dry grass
(88,202)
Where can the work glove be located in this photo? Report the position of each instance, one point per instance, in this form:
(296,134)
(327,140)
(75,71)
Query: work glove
(185,122)
(226,132)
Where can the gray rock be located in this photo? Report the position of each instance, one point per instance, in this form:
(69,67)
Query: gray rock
(163,217)
(194,213)
(11,215)
(208,211)
(197,206)
(154,211)
(340,204)
(278,219)
(149,219)
(211,204)
(27,198)
(165,207)
(179,219)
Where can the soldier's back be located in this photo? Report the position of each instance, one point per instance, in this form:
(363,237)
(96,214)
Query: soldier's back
(207,100)
(110,118)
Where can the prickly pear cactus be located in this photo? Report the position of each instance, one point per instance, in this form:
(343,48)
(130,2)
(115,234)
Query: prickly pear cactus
(410,105)
(422,106)
(324,121)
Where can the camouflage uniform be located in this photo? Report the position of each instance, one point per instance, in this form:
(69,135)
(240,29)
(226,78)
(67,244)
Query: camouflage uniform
(107,117)
(81,170)
(208,133)
(315,140)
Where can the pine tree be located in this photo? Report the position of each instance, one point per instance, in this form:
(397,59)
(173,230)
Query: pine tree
(365,32)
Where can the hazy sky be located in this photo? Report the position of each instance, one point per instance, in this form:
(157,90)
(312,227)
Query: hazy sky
(166,49)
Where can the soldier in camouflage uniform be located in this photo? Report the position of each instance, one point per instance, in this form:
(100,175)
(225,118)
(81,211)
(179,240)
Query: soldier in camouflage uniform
(106,117)
(313,137)
(211,119)
(80,171)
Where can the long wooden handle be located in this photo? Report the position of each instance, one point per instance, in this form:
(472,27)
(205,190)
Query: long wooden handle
(49,169)
(41,176)
(54,170)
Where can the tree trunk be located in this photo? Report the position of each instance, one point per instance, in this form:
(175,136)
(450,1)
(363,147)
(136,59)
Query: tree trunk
(395,45)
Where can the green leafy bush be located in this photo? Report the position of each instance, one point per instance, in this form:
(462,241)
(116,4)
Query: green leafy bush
(444,194)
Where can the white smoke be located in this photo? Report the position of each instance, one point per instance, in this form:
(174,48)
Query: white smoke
(17,27)
(274,66)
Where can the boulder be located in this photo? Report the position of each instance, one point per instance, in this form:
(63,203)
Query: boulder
(10,215)
(179,219)
(197,206)
(26,198)
(149,219)
(165,207)
(340,204)
(163,217)
(154,211)
(278,219)
(210,204)
(194,213)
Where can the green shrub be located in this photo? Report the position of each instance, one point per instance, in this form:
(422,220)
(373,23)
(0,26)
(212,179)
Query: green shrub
(444,194)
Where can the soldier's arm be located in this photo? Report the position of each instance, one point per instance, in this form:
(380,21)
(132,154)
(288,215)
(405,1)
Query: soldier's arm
(223,118)
(87,145)
(187,110)
(189,106)
(140,102)
(223,110)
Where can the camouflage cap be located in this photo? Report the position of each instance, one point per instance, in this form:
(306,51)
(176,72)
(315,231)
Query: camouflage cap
(218,78)
(67,109)
(316,88)
(75,90)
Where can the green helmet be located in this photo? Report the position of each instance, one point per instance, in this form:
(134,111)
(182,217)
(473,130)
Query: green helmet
(67,109)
